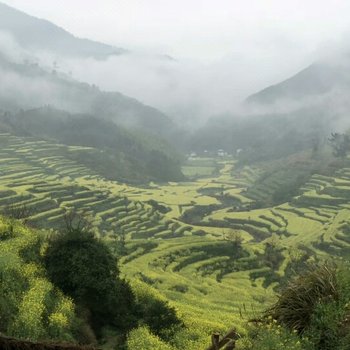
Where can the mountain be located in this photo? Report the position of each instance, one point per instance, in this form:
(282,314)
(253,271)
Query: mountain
(315,80)
(296,114)
(40,101)
(116,153)
(263,137)
(28,85)
(40,35)
(293,115)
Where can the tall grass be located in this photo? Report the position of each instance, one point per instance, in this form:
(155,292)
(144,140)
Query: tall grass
(296,304)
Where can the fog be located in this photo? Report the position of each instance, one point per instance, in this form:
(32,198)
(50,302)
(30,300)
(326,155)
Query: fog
(190,71)
(220,53)
(188,90)
(185,89)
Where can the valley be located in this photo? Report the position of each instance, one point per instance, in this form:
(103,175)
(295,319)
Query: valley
(176,182)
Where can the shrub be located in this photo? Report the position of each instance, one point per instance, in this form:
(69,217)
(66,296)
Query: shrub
(30,306)
(29,322)
(312,313)
(297,302)
(270,337)
(330,327)
(155,312)
(83,268)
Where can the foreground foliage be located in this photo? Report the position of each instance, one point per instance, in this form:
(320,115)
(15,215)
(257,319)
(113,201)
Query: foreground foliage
(312,313)
(83,299)
(31,307)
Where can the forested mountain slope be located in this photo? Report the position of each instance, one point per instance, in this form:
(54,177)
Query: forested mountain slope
(27,85)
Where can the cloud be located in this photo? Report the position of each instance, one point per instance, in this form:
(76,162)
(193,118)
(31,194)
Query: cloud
(188,90)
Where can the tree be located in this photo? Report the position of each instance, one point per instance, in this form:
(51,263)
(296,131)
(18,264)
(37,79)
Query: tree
(235,238)
(83,268)
(121,238)
(340,144)
(273,253)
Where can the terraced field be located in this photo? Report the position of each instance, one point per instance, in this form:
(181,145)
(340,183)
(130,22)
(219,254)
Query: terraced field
(39,175)
(183,261)
(197,242)
(318,217)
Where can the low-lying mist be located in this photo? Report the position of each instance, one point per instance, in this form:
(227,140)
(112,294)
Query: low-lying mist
(189,91)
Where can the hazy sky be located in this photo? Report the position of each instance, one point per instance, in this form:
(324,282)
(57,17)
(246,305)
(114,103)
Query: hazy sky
(201,28)
(231,48)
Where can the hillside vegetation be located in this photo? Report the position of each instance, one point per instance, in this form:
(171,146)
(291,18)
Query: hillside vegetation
(31,307)
(311,313)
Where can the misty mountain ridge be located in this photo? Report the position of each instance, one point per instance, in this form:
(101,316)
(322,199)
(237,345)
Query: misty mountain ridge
(318,79)
(38,37)
(309,94)
(28,86)
(125,156)
(284,118)
(38,100)
(41,35)
(28,82)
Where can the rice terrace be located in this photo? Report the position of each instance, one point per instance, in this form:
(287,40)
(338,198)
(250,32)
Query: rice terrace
(199,262)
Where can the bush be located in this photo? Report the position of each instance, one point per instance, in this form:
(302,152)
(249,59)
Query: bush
(329,327)
(83,268)
(297,302)
(270,337)
(312,313)
(12,285)
(155,312)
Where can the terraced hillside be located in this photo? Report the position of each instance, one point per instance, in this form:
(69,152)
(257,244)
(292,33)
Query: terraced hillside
(277,241)
(41,176)
(317,218)
(199,243)
(161,250)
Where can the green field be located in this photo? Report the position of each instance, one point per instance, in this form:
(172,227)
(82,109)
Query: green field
(193,263)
